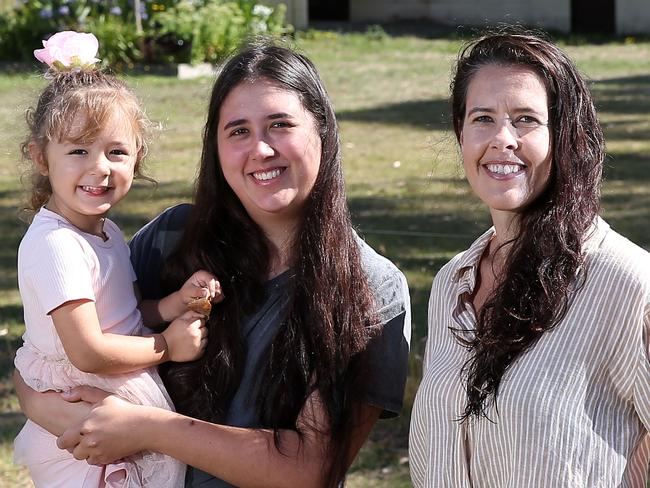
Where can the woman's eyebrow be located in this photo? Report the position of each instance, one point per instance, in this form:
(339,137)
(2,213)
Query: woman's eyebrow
(491,110)
(280,115)
(234,123)
(481,109)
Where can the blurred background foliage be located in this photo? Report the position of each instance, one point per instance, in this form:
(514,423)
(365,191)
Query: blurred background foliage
(140,31)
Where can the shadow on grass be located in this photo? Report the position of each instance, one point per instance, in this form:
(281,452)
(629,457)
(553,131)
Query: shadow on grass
(8,347)
(628,214)
(429,114)
(11,313)
(13,229)
(630,130)
(623,95)
(11,475)
(633,167)
(419,234)
(634,83)
(628,97)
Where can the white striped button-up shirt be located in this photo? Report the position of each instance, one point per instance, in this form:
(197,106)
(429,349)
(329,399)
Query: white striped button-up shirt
(573,411)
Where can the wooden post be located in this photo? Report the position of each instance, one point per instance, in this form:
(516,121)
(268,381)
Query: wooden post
(138,16)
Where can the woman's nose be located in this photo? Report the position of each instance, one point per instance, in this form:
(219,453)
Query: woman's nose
(262,150)
(506,136)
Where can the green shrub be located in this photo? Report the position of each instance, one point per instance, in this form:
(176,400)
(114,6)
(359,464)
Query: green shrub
(181,31)
(23,28)
(213,29)
(119,43)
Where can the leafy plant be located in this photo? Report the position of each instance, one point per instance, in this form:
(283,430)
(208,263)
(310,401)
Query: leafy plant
(119,42)
(213,29)
(23,28)
(160,31)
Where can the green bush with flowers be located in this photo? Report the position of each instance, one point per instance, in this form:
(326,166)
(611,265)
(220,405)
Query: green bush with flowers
(214,29)
(132,31)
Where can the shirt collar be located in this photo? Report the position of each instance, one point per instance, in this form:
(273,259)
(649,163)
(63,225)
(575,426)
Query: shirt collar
(470,258)
(595,235)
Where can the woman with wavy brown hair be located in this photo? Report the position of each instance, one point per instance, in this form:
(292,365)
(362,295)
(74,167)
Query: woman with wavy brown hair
(537,369)
(308,347)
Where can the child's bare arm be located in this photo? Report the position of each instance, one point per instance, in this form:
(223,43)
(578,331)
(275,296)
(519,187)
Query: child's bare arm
(93,351)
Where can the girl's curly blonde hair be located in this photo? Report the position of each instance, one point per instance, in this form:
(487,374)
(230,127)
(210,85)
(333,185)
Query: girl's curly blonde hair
(97,96)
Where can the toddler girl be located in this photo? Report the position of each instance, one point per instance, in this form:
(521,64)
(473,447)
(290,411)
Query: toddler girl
(83,325)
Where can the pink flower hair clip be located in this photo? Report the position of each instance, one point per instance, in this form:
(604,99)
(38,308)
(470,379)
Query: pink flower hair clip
(69,50)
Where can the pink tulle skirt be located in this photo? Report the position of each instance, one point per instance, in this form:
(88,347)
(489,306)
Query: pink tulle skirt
(52,467)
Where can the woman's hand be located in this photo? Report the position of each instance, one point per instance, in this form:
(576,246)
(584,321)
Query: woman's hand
(108,433)
(202,284)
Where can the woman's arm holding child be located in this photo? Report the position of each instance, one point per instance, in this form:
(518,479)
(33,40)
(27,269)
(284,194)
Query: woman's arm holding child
(221,450)
(48,409)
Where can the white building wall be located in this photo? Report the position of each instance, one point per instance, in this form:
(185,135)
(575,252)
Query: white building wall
(386,10)
(548,14)
(633,16)
(297,11)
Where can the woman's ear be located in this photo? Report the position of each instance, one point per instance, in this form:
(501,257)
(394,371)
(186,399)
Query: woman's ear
(38,158)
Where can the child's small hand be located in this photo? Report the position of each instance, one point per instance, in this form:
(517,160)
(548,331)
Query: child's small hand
(201,284)
(186,337)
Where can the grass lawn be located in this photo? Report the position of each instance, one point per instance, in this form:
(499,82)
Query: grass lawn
(405,186)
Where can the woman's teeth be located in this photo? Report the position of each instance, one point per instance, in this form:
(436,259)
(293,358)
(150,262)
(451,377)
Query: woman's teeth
(503,169)
(267,175)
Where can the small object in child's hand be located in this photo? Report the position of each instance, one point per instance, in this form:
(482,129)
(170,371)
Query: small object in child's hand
(200,305)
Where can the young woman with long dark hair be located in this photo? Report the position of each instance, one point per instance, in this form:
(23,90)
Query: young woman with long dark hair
(537,368)
(309,346)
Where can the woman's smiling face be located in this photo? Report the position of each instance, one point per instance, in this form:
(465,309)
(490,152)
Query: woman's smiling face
(269,149)
(505,139)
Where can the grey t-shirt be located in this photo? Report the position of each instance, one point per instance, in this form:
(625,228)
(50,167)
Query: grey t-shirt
(387,353)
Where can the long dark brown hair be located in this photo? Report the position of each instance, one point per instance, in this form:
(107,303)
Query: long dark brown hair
(532,293)
(326,323)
